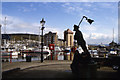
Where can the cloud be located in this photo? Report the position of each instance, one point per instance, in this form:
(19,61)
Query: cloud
(50,28)
(97,38)
(15,25)
(30,8)
(107,5)
(88,8)
(55,29)
(31,5)
(79,9)
(100,35)
(60,0)
(72,8)
(9,19)
(88,4)
(89,28)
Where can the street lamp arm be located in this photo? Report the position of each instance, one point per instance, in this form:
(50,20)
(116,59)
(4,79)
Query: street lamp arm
(85,17)
(82,20)
(88,20)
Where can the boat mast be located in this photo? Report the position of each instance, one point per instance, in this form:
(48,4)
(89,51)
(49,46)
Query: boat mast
(113,34)
(39,42)
(5,25)
(39,38)
(5,42)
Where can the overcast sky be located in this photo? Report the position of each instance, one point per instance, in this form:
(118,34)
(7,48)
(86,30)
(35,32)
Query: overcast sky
(24,17)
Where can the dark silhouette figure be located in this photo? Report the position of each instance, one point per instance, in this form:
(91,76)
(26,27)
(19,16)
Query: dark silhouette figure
(75,64)
(80,40)
(78,60)
(81,61)
(83,58)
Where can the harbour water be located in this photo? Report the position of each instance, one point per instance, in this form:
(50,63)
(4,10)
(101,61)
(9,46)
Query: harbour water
(34,58)
(24,59)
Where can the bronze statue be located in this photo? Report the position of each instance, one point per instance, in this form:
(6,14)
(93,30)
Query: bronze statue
(80,40)
(84,57)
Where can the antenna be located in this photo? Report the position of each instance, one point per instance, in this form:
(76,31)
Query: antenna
(5,26)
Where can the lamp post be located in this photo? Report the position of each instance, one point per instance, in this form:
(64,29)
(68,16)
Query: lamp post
(88,20)
(42,24)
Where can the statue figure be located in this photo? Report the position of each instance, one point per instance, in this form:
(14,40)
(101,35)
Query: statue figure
(83,58)
(80,40)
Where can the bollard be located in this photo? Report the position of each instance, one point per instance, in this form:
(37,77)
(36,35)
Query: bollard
(28,58)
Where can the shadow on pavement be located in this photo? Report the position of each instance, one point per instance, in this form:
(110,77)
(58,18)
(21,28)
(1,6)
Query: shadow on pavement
(52,74)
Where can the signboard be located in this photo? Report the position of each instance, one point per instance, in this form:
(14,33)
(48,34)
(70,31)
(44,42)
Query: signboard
(51,46)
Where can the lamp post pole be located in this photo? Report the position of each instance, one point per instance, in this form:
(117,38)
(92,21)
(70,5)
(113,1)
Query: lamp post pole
(42,24)
(42,47)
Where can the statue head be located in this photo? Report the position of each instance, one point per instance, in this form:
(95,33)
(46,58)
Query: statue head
(75,27)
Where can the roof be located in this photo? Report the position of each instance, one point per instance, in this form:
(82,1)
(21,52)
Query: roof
(20,34)
(69,31)
(51,33)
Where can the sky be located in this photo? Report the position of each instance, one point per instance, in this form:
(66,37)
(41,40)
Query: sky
(60,0)
(119,23)
(25,17)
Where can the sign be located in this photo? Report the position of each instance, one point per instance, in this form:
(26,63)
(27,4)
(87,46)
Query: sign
(51,46)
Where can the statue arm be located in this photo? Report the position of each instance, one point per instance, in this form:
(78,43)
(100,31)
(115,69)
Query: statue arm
(75,37)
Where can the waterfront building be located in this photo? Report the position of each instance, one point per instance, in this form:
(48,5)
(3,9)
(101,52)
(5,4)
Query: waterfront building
(50,38)
(21,36)
(68,37)
(61,43)
(112,44)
